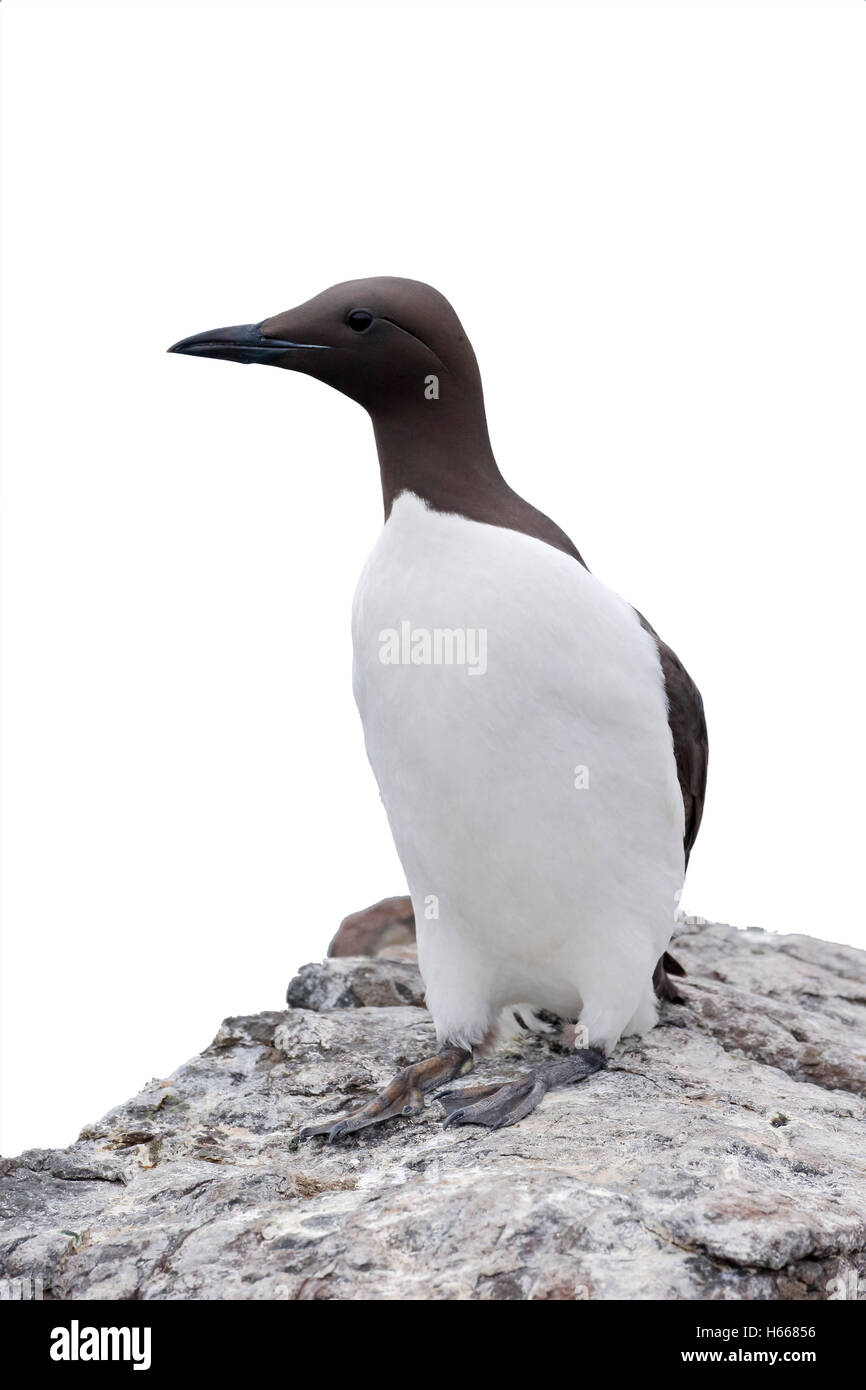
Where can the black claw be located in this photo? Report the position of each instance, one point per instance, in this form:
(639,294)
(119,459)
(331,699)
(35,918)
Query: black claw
(321,1132)
(309,1132)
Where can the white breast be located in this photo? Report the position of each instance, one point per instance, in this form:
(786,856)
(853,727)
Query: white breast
(534,803)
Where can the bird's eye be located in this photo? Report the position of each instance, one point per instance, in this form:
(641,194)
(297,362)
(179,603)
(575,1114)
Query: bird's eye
(359,320)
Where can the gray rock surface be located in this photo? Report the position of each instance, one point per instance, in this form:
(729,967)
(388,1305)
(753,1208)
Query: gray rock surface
(353,982)
(721,1157)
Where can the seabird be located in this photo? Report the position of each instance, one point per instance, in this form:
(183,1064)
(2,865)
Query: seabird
(543,807)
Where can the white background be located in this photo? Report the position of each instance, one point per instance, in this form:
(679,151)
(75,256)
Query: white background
(669,196)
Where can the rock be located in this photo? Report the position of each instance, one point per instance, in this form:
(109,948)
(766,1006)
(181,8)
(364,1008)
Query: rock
(375,930)
(722,1156)
(354,982)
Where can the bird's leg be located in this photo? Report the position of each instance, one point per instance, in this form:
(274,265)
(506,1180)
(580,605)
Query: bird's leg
(404,1095)
(498,1106)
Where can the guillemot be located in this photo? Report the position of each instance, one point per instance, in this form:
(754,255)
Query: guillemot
(544,812)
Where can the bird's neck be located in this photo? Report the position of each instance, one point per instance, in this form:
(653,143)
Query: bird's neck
(440,451)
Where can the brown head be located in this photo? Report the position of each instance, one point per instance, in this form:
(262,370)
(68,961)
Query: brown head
(375,340)
(397,348)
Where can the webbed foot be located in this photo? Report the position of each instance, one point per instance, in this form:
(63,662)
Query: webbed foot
(498,1106)
(403,1096)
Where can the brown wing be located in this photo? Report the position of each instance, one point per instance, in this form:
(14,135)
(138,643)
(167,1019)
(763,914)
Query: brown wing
(691,751)
(689,731)
(691,745)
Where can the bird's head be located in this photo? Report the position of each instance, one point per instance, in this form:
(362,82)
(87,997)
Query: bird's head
(388,343)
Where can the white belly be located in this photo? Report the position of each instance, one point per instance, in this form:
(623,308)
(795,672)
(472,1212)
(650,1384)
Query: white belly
(526,887)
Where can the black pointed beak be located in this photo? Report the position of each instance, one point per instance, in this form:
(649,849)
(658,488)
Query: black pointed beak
(242,343)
